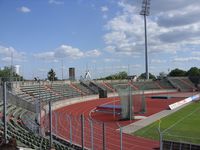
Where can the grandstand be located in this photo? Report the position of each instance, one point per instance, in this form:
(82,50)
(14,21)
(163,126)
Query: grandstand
(182,83)
(22,113)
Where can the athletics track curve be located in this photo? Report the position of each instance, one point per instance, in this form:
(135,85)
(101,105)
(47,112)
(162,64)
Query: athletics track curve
(62,117)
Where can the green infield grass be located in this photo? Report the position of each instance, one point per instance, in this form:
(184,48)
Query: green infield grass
(183,125)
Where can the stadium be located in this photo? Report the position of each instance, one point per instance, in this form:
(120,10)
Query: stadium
(81,116)
(138,91)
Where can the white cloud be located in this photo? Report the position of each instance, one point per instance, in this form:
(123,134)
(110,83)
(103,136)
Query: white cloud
(7,52)
(196,53)
(136,66)
(158,61)
(24,9)
(66,51)
(170,30)
(46,56)
(57,2)
(186,59)
(6,59)
(111,60)
(93,53)
(104,9)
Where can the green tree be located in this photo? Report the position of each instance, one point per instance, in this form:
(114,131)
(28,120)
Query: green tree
(118,76)
(177,73)
(143,76)
(8,73)
(51,75)
(193,71)
(122,75)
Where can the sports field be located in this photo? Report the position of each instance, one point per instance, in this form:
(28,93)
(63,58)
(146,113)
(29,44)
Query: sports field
(183,125)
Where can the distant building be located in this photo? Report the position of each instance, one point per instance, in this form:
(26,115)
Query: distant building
(87,75)
(17,69)
(132,78)
(71,73)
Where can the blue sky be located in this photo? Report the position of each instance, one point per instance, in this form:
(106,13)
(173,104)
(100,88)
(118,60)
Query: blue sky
(105,36)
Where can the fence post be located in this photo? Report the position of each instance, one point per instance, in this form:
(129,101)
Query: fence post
(56,121)
(50,123)
(4,111)
(104,142)
(92,134)
(82,131)
(161,141)
(160,136)
(70,128)
(121,140)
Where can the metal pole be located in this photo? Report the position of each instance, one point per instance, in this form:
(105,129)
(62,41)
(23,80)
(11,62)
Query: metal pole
(62,69)
(161,143)
(130,103)
(92,135)
(104,142)
(40,117)
(146,54)
(114,110)
(82,131)
(4,111)
(56,121)
(70,127)
(160,134)
(50,123)
(121,144)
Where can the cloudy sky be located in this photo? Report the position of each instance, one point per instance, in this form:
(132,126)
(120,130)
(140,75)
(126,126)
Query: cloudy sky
(104,36)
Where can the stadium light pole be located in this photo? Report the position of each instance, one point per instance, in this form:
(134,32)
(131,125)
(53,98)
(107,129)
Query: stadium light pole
(4,111)
(145,12)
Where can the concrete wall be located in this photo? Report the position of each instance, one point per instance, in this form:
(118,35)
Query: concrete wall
(14,100)
(66,102)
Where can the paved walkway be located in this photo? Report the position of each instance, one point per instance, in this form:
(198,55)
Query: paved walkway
(147,121)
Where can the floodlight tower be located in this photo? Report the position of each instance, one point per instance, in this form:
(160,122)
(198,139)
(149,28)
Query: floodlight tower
(145,12)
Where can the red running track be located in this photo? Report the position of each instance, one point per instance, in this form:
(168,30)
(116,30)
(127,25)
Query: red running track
(62,117)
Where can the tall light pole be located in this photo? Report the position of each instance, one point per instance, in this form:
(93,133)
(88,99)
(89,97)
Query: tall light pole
(145,12)
(62,67)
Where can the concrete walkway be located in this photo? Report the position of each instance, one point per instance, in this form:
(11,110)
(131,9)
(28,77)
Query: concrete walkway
(147,121)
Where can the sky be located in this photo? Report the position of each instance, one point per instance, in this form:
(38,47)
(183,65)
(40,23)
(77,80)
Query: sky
(103,36)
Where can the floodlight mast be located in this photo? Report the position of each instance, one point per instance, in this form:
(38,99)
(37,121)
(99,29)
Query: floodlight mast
(145,12)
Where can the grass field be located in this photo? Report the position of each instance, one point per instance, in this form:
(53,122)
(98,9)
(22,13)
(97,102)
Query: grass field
(183,125)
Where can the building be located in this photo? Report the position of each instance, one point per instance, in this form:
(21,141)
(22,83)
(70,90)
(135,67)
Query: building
(17,69)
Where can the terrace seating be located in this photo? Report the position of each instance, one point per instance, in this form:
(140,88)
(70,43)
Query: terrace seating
(182,83)
(180,146)
(165,84)
(28,138)
(61,91)
(37,92)
(83,88)
(104,86)
(110,85)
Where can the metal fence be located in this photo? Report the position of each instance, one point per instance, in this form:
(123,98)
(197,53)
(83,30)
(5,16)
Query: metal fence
(82,131)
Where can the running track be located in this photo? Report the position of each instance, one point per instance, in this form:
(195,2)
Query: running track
(62,117)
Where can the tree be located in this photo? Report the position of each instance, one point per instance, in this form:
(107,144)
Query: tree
(122,75)
(143,76)
(8,73)
(118,76)
(51,75)
(193,71)
(177,73)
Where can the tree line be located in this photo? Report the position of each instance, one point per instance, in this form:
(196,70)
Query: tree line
(8,72)
(192,72)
